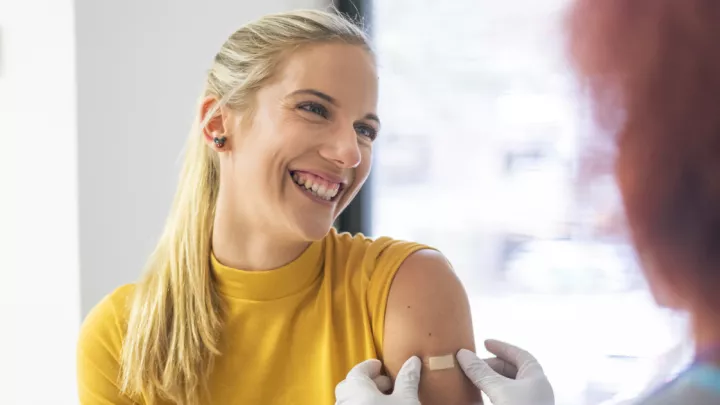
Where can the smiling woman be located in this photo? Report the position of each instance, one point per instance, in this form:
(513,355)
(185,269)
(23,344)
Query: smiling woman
(250,296)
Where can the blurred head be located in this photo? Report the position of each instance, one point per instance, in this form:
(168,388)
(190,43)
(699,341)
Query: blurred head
(299,139)
(294,97)
(653,71)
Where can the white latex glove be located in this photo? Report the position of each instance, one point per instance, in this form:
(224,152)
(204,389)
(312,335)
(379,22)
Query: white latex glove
(364,385)
(514,378)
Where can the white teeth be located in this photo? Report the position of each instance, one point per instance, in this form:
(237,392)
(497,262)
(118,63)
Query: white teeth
(327,193)
(319,190)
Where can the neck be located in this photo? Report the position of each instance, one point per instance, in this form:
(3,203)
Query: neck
(707,338)
(247,246)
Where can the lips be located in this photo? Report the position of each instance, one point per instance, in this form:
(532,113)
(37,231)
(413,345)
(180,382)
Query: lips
(317,186)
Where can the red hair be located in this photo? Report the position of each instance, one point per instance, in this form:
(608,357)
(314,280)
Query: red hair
(652,69)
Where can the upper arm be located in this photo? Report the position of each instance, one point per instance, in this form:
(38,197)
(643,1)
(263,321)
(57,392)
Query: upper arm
(98,358)
(428,314)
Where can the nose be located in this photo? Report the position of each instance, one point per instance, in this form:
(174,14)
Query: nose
(342,148)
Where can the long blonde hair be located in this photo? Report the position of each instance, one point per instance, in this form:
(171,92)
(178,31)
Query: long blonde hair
(176,313)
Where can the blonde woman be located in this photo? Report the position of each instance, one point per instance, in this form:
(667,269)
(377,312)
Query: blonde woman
(250,296)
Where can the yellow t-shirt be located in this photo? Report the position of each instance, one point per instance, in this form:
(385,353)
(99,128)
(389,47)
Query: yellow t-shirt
(291,335)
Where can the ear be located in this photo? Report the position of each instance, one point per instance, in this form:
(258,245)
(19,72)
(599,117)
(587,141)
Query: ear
(214,132)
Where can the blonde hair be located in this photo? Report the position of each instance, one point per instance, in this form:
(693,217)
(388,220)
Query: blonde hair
(176,313)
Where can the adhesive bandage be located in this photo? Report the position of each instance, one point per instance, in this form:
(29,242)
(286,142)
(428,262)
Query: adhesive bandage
(440,362)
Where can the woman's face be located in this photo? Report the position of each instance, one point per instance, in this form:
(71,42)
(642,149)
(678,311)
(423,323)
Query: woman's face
(307,148)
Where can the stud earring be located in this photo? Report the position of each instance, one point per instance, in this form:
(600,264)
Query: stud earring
(219,142)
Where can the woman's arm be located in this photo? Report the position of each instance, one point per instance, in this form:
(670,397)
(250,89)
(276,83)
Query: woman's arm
(428,314)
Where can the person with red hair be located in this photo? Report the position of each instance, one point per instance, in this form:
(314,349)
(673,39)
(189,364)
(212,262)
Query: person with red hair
(652,71)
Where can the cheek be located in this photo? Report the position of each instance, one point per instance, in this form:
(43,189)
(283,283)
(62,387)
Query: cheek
(363,170)
(360,175)
(253,170)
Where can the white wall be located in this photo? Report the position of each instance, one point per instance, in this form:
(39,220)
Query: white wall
(39,272)
(96,97)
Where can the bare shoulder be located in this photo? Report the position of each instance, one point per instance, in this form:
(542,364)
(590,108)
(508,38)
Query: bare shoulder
(428,314)
(428,298)
(425,291)
(426,268)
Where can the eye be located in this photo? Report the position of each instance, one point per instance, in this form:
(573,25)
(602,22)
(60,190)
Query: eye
(315,108)
(366,131)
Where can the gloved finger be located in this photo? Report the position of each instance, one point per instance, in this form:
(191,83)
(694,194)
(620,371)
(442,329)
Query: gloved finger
(359,378)
(355,385)
(384,383)
(476,369)
(502,367)
(408,380)
(526,364)
(367,369)
(482,375)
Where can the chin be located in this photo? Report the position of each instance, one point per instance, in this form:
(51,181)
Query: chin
(313,230)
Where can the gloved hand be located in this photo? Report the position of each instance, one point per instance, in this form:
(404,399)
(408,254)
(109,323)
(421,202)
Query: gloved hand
(364,385)
(514,378)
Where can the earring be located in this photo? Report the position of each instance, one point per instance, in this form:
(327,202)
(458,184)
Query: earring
(219,142)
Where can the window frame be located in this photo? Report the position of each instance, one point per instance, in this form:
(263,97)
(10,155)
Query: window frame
(357,217)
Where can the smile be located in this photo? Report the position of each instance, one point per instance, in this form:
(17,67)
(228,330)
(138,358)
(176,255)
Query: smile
(316,186)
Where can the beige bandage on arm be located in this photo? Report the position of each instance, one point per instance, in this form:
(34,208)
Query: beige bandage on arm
(440,362)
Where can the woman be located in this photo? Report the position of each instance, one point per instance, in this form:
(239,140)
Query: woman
(250,296)
(652,68)
(653,71)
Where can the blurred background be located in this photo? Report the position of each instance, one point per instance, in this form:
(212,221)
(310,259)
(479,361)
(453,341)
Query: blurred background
(483,131)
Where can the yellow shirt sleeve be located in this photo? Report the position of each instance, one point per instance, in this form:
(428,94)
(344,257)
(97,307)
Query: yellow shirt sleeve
(389,255)
(98,352)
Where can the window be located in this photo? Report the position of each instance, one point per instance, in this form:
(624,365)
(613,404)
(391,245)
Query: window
(478,156)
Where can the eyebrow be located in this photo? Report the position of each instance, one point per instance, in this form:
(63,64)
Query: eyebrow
(331,100)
